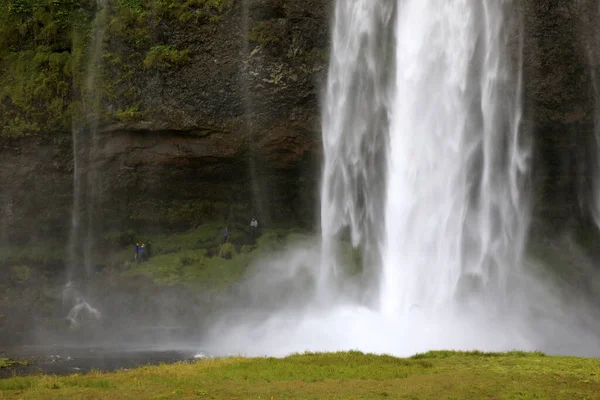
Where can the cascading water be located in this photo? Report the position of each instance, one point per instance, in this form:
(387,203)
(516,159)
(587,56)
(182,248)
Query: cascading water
(81,239)
(355,123)
(251,57)
(450,200)
(455,201)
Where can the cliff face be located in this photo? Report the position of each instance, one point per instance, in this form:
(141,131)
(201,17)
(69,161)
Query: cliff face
(560,60)
(210,109)
(206,109)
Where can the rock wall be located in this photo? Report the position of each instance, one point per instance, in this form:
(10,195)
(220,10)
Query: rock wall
(560,109)
(204,112)
(211,108)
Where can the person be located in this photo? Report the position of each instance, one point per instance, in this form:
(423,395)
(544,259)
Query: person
(142,252)
(253,226)
(225,235)
(137,251)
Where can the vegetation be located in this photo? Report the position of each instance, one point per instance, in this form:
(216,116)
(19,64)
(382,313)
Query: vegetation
(11,363)
(35,65)
(160,57)
(41,253)
(352,375)
(263,34)
(43,57)
(199,258)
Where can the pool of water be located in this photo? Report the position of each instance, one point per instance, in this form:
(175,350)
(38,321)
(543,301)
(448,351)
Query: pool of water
(65,359)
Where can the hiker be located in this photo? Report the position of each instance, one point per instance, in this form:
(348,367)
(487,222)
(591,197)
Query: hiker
(253,226)
(137,251)
(225,235)
(142,252)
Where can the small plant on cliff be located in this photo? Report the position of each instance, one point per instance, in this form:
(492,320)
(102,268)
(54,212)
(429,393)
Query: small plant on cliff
(161,56)
(262,34)
(131,113)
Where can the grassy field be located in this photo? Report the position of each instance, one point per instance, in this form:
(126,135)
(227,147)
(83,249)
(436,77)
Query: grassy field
(351,375)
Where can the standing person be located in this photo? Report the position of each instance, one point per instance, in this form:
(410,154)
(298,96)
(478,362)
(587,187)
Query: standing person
(142,252)
(253,226)
(225,235)
(137,251)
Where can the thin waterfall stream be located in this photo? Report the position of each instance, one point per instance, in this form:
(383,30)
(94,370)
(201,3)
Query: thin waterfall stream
(85,193)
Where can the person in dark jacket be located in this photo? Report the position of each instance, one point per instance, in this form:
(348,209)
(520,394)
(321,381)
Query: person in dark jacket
(137,251)
(225,235)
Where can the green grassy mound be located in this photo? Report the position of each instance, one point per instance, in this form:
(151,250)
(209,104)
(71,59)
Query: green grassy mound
(350,375)
(199,257)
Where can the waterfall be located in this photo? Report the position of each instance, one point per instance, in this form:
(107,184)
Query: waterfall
(425,162)
(84,145)
(85,193)
(355,122)
(426,167)
(252,58)
(456,207)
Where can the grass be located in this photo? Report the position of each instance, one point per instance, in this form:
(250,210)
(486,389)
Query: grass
(348,375)
(37,253)
(199,258)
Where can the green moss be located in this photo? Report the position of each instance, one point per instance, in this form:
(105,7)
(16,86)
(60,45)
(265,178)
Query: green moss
(134,6)
(161,56)
(190,10)
(262,34)
(131,113)
(36,65)
(35,92)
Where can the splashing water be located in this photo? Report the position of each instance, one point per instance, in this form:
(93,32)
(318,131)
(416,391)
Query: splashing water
(74,301)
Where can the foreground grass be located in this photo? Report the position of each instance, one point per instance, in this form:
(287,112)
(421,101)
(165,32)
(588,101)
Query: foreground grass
(352,375)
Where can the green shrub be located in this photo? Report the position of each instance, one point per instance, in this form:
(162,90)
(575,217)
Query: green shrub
(227,251)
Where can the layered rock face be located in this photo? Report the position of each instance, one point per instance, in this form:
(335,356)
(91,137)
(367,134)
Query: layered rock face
(210,109)
(560,59)
(202,116)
